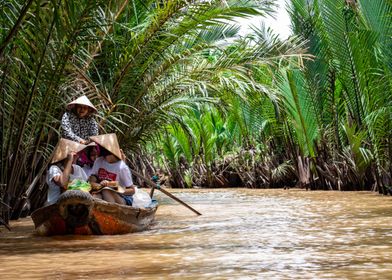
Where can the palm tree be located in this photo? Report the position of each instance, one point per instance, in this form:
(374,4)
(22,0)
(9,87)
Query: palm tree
(40,44)
(142,62)
(349,41)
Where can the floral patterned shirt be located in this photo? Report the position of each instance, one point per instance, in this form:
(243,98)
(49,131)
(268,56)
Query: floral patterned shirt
(77,129)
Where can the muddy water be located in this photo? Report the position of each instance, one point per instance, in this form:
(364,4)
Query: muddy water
(242,234)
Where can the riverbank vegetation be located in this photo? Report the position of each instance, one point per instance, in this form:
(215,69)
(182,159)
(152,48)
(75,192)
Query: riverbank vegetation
(192,98)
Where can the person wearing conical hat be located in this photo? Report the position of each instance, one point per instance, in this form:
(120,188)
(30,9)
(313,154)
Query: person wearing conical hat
(78,122)
(63,168)
(87,158)
(109,168)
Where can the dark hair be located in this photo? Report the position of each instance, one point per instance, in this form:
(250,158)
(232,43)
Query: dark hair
(74,109)
(59,163)
(103,152)
(90,149)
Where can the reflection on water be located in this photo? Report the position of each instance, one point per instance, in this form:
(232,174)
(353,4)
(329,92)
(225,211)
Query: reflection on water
(242,234)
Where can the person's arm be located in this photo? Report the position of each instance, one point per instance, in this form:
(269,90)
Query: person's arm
(62,180)
(66,127)
(95,186)
(126,180)
(93,127)
(93,178)
(54,174)
(129,190)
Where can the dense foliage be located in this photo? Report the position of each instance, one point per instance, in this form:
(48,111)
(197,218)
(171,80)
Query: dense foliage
(142,63)
(327,124)
(186,93)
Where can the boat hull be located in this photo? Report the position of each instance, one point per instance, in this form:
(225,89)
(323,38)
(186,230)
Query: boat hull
(77,212)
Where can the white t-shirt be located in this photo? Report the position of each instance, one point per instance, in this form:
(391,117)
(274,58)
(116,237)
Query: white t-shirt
(117,171)
(87,169)
(54,189)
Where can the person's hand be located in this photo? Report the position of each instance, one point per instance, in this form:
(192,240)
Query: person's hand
(110,184)
(104,183)
(93,179)
(84,142)
(72,156)
(95,186)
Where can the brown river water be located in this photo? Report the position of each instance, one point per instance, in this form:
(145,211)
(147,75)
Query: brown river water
(242,234)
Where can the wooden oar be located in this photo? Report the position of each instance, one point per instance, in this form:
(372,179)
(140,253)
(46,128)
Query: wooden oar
(154,186)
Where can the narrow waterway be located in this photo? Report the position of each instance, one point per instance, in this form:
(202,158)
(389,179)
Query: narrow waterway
(242,234)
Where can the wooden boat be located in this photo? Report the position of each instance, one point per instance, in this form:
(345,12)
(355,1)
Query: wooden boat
(77,212)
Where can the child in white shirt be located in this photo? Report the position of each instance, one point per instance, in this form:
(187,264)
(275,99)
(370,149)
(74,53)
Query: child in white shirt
(63,169)
(108,168)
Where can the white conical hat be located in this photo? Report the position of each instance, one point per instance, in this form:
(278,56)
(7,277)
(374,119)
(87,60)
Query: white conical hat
(109,142)
(83,100)
(64,147)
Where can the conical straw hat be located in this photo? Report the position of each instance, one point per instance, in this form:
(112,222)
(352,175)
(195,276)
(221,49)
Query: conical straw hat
(83,100)
(64,147)
(109,142)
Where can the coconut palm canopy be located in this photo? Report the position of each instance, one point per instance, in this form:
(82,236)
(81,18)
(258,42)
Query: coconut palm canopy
(142,62)
(177,83)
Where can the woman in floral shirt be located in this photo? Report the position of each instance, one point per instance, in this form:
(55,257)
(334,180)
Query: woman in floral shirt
(78,123)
